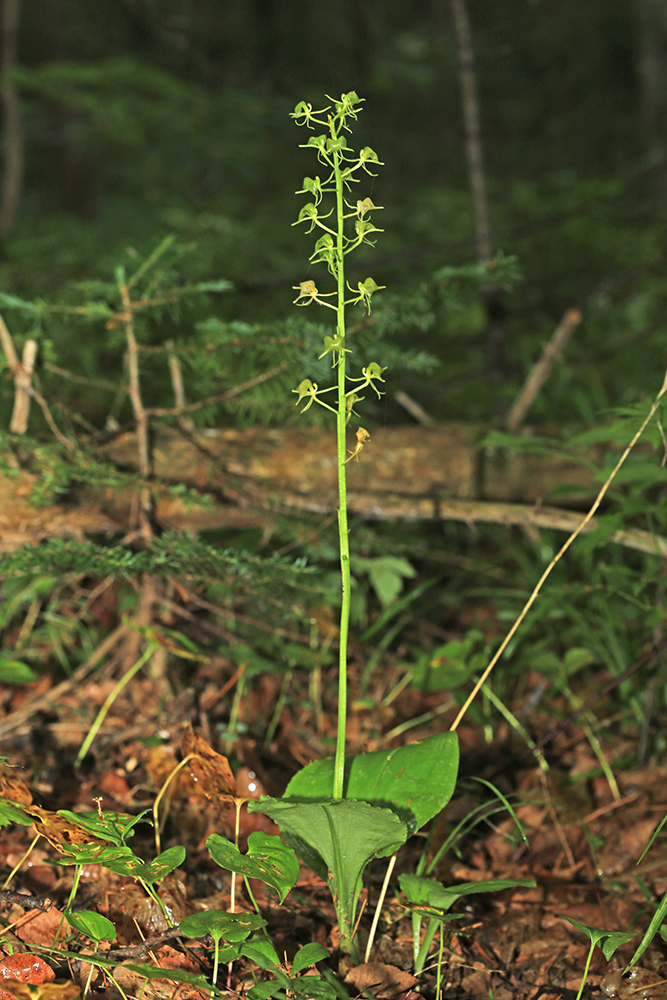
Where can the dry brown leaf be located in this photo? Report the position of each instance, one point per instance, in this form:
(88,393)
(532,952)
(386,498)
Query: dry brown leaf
(61,832)
(211,774)
(40,927)
(384,981)
(13,787)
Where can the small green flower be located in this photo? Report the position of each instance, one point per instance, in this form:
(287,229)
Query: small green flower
(365,290)
(333,345)
(308,290)
(303,114)
(308,388)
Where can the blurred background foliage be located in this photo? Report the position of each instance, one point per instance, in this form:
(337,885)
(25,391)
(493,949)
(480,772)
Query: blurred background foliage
(142,120)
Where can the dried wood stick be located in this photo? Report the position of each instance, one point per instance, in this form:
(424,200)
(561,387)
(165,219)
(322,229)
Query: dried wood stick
(23,385)
(542,369)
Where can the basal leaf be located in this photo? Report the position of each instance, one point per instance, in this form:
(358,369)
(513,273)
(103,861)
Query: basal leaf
(337,839)
(307,956)
(417,780)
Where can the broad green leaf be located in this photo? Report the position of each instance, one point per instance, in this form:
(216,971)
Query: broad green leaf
(262,991)
(263,954)
(268,859)
(307,956)
(312,988)
(232,927)
(164,864)
(116,859)
(93,925)
(429,892)
(417,780)
(337,839)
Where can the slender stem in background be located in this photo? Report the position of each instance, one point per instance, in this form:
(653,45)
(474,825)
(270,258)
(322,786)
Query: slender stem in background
(110,699)
(339,760)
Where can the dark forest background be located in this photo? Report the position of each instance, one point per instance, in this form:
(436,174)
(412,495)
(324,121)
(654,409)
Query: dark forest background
(130,120)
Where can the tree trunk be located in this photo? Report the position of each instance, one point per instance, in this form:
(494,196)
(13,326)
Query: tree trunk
(12,177)
(495,313)
(652,18)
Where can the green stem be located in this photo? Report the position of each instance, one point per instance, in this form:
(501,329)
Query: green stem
(588,965)
(341,421)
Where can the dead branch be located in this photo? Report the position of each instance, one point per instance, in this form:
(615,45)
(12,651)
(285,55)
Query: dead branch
(541,370)
(23,384)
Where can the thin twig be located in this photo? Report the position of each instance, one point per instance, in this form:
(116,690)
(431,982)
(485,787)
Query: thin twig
(413,408)
(26,901)
(561,552)
(223,397)
(540,372)
(140,415)
(95,383)
(176,375)
(44,407)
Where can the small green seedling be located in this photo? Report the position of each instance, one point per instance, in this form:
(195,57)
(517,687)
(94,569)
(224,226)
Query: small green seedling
(428,897)
(234,928)
(289,982)
(608,941)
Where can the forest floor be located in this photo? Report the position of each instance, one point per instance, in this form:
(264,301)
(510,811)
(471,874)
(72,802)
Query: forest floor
(585,832)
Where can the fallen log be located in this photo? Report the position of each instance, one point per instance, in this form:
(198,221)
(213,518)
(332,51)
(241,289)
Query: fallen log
(404,473)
